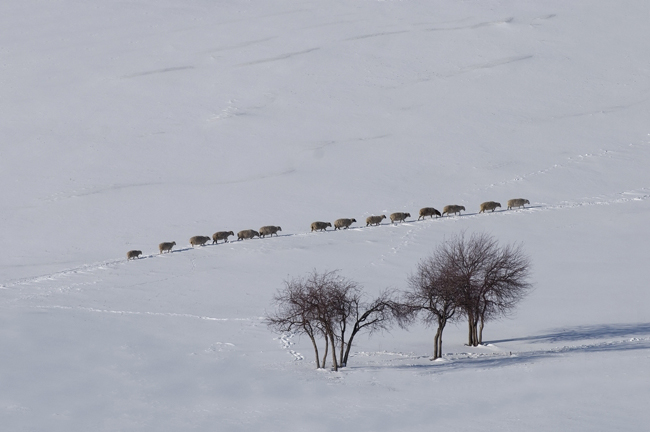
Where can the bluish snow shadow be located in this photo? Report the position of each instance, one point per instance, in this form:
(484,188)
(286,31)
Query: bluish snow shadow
(459,361)
(600,331)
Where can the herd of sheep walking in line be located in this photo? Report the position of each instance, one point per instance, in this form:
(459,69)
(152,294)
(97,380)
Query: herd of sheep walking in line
(338,224)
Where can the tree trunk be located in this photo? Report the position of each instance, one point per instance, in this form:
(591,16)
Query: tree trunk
(334,361)
(473,331)
(436,345)
(441,326)
(313,341)
(349,345)
(327,343)
(470,324)
(480,333)
(341,355)
(437,349)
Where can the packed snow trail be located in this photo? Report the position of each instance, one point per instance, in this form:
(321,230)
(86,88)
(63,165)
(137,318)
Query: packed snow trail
(635,195)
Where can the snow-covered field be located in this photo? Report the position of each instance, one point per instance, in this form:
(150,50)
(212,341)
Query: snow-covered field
(125,124)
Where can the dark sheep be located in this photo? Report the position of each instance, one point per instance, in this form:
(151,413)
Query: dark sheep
(452,209)
(199,240)
(489,205)
(517,202)
(269,230)
(429,211)
(221,235)
(399,217)
(320,226)
(343,223)
(166,246)
(247,234)
(374,220)
(133,254)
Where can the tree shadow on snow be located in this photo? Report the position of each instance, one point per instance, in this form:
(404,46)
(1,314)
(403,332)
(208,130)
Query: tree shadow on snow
(460,361)
(600,331)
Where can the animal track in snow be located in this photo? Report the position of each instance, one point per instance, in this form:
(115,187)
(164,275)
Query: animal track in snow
(230,111)
(285,340)
(405,240)
(640,194)
(83,269)
(220,346)
(86,191)
(163,314)
(570,161)
(381,353)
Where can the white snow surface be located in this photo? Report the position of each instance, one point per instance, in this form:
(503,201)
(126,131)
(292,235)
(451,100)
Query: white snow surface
(128,123)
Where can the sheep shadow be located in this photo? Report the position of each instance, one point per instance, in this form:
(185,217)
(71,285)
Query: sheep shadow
(524,208)
(154,255)
(278,235)
(502,210)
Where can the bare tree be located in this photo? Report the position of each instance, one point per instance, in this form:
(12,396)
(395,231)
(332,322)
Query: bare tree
(489,279)
(507,278)
(295,313)
(375,315)
(432,289)
(328,294)
(327,305)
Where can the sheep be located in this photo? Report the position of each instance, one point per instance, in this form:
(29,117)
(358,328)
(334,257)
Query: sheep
(320,226)
(247,234)
(343,223)
(133,254)
(166,246)
(374,220)
(199,240)
(517,202)
(429,211)
(399,217)
(489,205)
(221,235)
(269,230)
(452,209)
